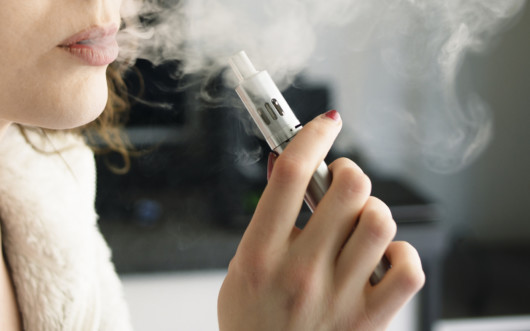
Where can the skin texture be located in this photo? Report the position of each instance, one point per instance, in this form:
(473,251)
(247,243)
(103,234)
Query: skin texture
(284,278)
(43,85)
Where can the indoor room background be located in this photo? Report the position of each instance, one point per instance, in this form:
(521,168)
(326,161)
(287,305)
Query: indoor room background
(436,108)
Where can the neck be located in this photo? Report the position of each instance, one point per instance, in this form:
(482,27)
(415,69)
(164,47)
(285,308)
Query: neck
(3,127)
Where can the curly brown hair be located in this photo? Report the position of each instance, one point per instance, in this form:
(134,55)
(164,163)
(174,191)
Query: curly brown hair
(105,134)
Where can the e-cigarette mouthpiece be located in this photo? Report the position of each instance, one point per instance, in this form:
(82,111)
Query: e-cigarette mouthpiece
(265,103)
(242,66)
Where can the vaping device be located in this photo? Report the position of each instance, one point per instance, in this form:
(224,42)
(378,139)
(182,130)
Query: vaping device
(279,125)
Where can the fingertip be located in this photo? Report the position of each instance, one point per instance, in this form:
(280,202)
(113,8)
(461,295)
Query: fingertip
(407,267)
(376,220)
(401,282)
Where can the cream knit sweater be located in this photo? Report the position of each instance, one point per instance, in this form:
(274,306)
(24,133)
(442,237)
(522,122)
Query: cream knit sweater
(60,263)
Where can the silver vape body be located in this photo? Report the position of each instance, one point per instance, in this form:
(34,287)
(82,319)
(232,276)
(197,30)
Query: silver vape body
(279,125)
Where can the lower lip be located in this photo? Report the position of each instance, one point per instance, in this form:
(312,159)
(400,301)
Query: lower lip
(97,54)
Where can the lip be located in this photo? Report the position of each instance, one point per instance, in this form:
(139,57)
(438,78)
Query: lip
(95,46)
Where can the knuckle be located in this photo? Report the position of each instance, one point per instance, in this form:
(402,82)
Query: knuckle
(252,269)
(350,179)
(291,168)
(378,220)
(301,276)
(316,129)
(302,283)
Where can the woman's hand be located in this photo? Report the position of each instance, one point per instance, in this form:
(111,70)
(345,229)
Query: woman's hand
(284,278)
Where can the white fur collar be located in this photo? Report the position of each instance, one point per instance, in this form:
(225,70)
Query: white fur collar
(60,264)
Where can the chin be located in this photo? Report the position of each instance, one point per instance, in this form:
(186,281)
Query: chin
(84,114)
(57,98)
(81,115)
(77,107)
(78,121)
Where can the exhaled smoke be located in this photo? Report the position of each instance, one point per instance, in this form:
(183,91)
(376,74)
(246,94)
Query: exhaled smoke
(421,43)
(278,35)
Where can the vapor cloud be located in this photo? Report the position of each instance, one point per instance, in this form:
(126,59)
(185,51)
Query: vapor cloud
(423,43)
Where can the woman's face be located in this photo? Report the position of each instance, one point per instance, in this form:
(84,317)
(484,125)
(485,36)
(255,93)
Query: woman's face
(53,58)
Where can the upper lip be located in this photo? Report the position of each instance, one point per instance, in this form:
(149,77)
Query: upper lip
(93,33)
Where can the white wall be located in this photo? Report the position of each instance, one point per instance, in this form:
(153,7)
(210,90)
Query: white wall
(489,199)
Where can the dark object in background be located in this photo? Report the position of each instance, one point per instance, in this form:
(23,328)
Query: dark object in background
(483,280)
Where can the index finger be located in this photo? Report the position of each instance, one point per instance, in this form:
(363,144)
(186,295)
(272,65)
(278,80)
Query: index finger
(278,208)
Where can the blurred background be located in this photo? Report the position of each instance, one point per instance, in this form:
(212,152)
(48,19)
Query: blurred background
(175,219)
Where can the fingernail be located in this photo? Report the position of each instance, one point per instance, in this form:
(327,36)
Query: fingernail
(333,114)
(270,164)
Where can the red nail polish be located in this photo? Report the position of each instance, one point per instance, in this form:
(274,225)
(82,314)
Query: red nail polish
(333,114)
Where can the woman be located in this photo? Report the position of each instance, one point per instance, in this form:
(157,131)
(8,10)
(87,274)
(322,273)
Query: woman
(55,272)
